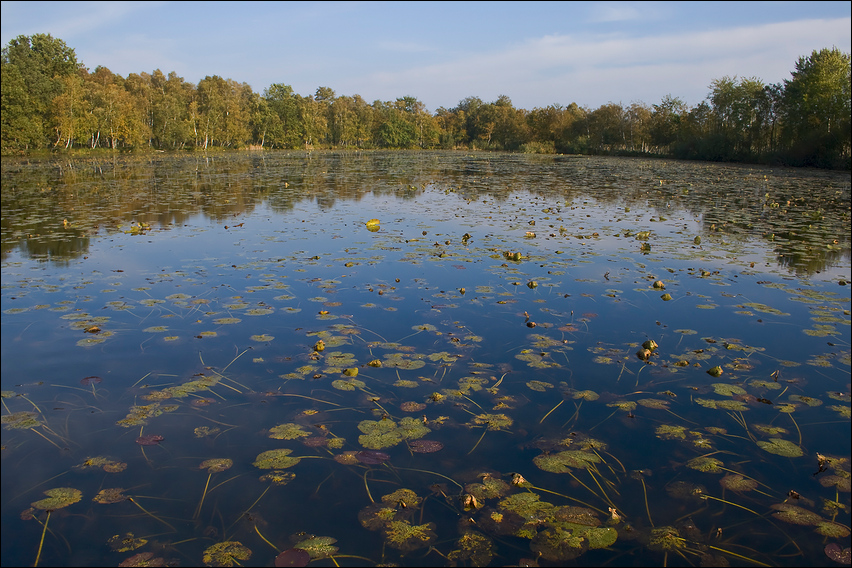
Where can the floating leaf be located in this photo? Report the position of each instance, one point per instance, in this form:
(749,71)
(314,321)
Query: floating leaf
(216,465)
(795,514)
(540,386)
(149,440)
(371,457)
(288,431)
(562,462)
(832,530)
(704,463)
(833,551)
(425,446)
(489,488)
(226,553)
(736,482)
(318,546)
(412,406)
(275,459)
(58,498)
(493,421)
(665,539)
(670,432)
(472,548)
(407,537)
(780,447)
(278,477)
(20,420)
(126,543)
(558,545)
(725,389)
(292,557)
(109,496)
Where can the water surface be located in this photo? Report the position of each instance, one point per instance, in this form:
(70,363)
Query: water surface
(489,326)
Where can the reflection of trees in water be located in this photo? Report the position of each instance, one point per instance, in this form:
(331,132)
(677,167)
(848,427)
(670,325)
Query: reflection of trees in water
(805,209)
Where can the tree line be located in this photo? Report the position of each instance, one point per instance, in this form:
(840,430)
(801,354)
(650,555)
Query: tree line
(52,101)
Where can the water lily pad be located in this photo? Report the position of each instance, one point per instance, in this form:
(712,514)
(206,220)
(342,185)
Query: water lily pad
(425,446)
(226,553)
(780,447)
(292,557)
(493,421)
(558,545)
(126,543)
(318,546)
(109,496)
(736,482)
(58,498)
(288,431)
(704,463)
(795,514)
(665,539)
(562,462)
(832,530)
(472,548)
(407,537)
(275,459)
(371,457)
(489,488)
(216,464)
(20,420)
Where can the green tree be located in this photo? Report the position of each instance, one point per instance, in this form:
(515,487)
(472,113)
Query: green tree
(36,66)
(665,122)
(285,130)
(817,109)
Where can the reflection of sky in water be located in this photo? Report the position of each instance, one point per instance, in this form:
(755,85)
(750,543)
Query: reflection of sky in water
(593,306)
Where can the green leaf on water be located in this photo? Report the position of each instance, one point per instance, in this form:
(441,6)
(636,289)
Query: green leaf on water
(288,431)
(726,389)
(318,546)
(20,420)
(275,459)
(781,447)
(706,464)
(226,553)
(795,514)
(671,432)
(58,498)
(563,462)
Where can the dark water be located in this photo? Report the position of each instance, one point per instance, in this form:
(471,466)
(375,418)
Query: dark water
(496,309)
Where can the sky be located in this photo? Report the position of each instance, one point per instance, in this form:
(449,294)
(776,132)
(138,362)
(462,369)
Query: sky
(536,53)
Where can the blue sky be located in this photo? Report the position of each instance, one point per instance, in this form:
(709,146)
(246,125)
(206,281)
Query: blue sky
(537,53)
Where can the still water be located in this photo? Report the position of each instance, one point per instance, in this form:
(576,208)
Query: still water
(424,359)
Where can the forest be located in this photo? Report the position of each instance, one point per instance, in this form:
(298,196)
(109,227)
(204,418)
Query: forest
(52,102)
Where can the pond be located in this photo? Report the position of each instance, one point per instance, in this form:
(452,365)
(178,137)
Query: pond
(414,359)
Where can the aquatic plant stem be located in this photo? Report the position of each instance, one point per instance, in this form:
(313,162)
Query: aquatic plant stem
(530,486)
(203,495)
(41,542)
(797,427)
(367,487)
(647,509)
(705,496)
(144,510)
(275,548)
(433,473)
(477,442)
(759,563)
(551,411)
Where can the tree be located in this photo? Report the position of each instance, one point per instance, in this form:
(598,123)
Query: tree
(665,122)
(36,66)
(285,130)
(817,109)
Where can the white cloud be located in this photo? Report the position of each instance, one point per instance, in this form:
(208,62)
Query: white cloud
(594,69)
